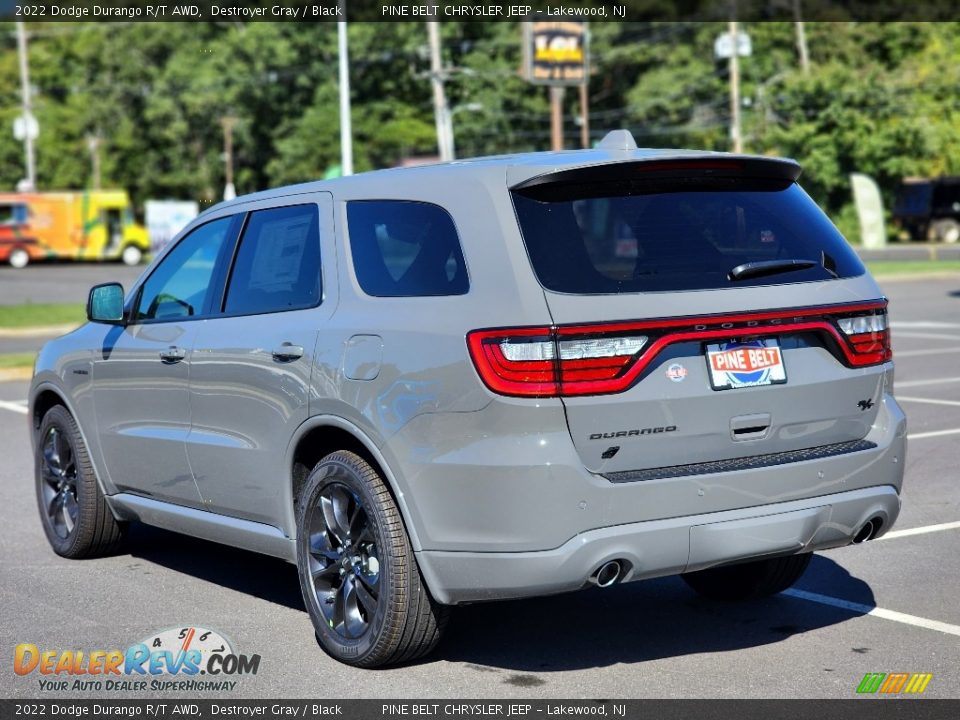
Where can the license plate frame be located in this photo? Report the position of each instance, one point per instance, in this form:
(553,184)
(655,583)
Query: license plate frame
(735,365)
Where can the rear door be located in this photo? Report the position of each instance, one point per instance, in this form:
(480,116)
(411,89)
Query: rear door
(250,368)
(698,314)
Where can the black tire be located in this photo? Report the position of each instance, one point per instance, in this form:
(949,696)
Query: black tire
(745,581)
(365,614)
(75,516)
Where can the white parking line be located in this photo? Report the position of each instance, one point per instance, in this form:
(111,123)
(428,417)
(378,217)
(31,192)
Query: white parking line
(13,406)
(923,324)
(893,615)
(925,336)
(920,530)
(932,401)
(918,353)
(933,434)
(922,383)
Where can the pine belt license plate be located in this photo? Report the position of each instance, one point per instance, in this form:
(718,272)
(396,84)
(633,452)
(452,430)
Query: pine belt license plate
(745,364)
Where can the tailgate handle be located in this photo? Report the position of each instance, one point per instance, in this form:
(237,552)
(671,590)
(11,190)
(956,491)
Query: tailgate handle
(750,427)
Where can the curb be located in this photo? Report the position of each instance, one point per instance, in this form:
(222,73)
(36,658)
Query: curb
(38,331)
(11,374)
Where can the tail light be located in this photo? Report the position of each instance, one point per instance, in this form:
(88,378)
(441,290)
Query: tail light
(868,336)
(562,361)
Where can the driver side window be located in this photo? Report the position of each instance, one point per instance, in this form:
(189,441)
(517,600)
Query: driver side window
(180,285)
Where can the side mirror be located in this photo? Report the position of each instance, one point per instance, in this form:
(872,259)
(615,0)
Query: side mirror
(105,304)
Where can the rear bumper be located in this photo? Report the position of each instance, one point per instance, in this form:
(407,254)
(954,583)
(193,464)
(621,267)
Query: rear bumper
(661,547)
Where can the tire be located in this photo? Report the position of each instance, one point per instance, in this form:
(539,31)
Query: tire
(19,258)
(746,581)
(369,606)
(75,516)
(947,231)
(131,255)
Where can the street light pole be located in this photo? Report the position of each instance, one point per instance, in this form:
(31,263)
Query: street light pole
(30,183)
(229,190)
(346,128)
(735,134)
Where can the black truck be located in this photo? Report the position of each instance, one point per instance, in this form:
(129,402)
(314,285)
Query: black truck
(929,209)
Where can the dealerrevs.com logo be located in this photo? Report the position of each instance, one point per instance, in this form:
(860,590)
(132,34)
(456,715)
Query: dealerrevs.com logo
(183,659)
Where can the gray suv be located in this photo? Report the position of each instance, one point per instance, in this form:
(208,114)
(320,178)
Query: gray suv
(498,378)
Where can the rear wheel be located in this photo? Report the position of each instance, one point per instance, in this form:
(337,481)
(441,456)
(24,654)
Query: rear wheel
(946,231)
(131,255)
(358,573)
(19,258)
(75,516)
(749,580)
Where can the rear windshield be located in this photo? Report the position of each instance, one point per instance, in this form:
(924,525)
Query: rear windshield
(630,236)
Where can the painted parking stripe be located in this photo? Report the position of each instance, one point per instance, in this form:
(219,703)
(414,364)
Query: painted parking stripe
(923,324)
(13,406)
(923,383)
(933,434)
(920,530)
(893,615)
(925,336)
(931,401)
(918,353)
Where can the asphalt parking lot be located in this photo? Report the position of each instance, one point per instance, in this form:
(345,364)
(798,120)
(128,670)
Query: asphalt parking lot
(885,606)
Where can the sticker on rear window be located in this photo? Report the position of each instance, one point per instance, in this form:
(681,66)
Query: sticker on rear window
(745,364)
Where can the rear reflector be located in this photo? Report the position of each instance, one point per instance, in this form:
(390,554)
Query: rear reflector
(608,358)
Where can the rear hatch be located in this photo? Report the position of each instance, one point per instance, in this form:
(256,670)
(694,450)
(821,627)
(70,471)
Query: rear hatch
(703,312)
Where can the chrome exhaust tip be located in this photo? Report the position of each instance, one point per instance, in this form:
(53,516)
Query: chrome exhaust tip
(607,574)
(866,532)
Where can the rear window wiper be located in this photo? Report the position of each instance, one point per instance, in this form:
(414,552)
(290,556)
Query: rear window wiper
(759,268)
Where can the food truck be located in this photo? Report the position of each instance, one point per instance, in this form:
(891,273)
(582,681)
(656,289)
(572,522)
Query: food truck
(82,225)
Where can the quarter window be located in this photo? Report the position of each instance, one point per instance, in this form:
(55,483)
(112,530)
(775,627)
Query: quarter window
(278,263)
(180,286)
(405,249)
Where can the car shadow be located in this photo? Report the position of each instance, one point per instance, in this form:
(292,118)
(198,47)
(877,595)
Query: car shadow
(257,575)
(632,623)
(638,622)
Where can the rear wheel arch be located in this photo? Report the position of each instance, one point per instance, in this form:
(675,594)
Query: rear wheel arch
(322,435)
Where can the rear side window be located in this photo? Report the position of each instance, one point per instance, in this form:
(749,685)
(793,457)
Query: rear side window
(626,237)
(278,263)
(405,249)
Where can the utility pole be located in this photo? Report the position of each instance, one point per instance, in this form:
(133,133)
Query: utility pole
(735,135)
(441,110)
(346,128)
(93,145)
(228,122)
(801,39)
(556,117)
(29,184)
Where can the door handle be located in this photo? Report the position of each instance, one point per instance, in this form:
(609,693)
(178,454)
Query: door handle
(172,355)
(287,352)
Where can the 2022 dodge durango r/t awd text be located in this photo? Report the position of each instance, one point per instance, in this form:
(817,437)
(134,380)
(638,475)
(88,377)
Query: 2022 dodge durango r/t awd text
(489,379)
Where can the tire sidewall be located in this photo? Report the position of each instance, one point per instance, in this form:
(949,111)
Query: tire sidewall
(58,417)
(353,651)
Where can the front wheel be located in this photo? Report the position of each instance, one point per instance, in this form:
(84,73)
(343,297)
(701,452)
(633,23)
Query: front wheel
(749,580)
(358,573)
(75,516)
(19,258)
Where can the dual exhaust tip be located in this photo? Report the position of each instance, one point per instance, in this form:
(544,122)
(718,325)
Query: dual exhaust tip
(607,574)
(868,531)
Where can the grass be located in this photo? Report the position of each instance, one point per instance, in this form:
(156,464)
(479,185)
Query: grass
(10,361)
(905,267)
(35,315)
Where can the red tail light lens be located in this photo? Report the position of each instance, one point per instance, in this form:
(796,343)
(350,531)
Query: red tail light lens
(607,358)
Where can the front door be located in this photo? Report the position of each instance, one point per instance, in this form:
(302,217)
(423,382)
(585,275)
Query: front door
(141,374)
